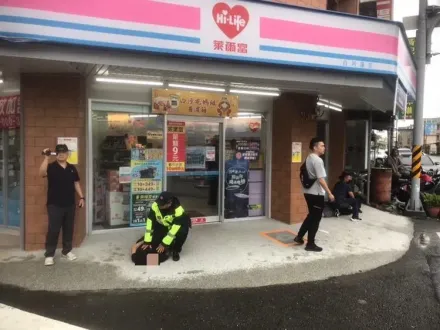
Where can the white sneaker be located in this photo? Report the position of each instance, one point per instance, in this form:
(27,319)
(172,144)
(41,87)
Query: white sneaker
(69,256)
(49,261)
(355,219)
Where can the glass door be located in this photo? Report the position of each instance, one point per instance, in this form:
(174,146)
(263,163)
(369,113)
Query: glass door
(193,165)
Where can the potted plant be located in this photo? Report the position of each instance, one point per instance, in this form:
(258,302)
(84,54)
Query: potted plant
(432,204)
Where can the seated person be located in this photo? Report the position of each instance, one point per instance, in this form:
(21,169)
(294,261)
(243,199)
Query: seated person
(343,193)
(167,228)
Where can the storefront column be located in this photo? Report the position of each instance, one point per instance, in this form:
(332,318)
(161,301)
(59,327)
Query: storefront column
(53,105)
(293,121)
(336,147)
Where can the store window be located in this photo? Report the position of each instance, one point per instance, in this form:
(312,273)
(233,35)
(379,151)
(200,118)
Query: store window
(245,166)
(127,151)
(10,159)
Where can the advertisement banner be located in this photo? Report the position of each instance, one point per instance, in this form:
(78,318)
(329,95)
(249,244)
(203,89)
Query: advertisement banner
(10,112)
(249,149)
(176,145)
(146,176)
(237,188)
(140,207)
(146,182)
(385,9)
(178,102)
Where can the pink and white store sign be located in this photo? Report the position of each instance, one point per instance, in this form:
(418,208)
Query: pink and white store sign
(234,30)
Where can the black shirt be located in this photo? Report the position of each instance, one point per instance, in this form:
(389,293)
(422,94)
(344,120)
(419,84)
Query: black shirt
(341,190)
(61,184)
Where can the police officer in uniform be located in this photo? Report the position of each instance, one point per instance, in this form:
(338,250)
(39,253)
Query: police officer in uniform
(167,227)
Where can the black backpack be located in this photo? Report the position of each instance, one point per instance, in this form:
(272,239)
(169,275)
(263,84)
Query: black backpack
(306,181)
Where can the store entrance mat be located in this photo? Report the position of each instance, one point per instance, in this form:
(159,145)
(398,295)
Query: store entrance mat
(282,237)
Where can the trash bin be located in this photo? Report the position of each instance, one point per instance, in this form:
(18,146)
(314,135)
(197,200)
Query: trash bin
(381,182)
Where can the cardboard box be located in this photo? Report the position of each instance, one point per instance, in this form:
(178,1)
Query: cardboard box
(118,208)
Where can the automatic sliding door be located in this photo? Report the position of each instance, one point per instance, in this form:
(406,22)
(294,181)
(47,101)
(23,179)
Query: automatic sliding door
(193,166)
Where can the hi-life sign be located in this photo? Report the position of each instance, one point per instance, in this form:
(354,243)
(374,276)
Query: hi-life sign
(247,31)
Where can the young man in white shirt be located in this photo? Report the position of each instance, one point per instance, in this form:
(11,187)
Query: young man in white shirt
(314,195)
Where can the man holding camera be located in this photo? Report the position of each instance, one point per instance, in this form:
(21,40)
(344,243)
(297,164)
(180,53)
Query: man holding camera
(63,182)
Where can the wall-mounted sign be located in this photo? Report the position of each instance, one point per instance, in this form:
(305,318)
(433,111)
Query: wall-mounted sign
(72,145)
(194,104)
(296,152)
(176,146)
(249,31)
(10,112)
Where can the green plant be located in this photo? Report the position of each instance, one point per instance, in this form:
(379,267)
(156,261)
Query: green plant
(431,200)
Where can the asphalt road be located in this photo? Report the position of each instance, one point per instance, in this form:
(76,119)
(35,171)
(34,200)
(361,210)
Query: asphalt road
(397,296)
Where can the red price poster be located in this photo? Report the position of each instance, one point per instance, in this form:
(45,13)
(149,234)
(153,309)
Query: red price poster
(176,154)
(9,112)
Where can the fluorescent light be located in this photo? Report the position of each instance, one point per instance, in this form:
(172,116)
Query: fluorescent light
(240,85)
(143,116)
(331,102)
(201,88)
(243,91)
(245,113)
(1,81)
(329,106)
(129,81)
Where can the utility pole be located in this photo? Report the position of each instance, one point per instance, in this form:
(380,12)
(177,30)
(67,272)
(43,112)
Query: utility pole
(428,20)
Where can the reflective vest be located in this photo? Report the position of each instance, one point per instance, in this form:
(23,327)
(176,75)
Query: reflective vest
(166,221)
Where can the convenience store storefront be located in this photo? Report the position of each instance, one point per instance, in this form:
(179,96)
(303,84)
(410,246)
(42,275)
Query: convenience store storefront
(274,81)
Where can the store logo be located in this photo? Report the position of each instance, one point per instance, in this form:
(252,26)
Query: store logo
(254,126)
(232,21)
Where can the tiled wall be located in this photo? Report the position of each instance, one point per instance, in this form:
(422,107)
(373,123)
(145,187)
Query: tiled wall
(53,106)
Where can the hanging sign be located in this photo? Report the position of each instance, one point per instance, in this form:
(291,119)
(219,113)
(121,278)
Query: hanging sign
(176,153)
(194,103)
(10,112)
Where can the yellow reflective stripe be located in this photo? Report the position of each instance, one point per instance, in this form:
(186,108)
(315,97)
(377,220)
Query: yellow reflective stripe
(148,231)
(167,240)
(179,211)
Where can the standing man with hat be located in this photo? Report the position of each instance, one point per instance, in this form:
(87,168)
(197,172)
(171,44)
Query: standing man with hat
(62,183)
(167,227)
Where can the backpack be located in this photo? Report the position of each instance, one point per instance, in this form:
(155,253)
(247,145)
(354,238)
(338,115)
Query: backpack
(306,181)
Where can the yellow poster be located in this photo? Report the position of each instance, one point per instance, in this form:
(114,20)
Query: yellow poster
(296,152)
(72,145)
(178,102)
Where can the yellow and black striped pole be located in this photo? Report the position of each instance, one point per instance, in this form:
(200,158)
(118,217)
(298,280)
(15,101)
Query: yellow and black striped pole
(416,168)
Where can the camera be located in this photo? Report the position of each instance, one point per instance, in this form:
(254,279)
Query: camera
(48,153)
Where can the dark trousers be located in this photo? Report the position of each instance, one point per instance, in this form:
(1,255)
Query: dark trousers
(355,203)
(59,218)
(315,204)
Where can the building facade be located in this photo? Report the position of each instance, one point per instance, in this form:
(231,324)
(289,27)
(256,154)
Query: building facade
(214,101)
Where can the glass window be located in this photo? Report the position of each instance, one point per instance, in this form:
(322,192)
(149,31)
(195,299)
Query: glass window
(193,166)
(426,160)
(124,136)
(13,177)
(245,167)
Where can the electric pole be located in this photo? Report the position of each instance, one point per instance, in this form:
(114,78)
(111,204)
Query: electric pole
(428,20)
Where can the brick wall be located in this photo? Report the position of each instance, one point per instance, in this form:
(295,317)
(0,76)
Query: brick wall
(336,151)
(345,6)
(53,106)
(290,125)
(319,4)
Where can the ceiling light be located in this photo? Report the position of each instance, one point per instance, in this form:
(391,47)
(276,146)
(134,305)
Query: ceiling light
(241,85)
(243,91)
(331,102)
(201,88)
(143,116)
(129,81)
(328,106)
(1,81)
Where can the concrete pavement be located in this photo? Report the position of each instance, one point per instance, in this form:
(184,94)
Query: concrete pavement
(399,295)
(219,256)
